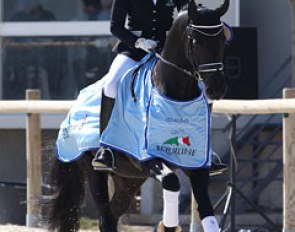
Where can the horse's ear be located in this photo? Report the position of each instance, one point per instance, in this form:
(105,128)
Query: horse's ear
(192,9)
(220,11)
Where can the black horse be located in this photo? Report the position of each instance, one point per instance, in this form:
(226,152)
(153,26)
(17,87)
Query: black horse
(193,52)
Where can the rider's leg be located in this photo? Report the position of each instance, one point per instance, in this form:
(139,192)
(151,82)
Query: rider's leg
(171,189)
(120,65)
(199,179)
(217,167)
(104,159)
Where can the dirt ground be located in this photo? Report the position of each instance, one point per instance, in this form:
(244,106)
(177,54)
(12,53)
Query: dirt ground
(14,228)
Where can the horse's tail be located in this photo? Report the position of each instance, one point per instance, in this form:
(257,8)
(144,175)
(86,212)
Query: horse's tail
(68,182)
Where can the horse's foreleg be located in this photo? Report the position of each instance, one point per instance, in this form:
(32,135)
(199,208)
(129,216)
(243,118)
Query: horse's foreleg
(171,189)
(125,191)
(200,182)
(98,185)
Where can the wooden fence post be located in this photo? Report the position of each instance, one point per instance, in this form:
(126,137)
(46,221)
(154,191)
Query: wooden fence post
(33,151)
(289,167)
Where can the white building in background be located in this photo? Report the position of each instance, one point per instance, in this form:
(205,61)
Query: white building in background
(32,58)
(67,41)
(74,69)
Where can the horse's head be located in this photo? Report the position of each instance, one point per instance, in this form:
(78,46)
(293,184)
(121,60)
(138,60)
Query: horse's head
(207,37)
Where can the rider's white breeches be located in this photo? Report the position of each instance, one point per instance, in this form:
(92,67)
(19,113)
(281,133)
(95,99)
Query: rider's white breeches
(120,65)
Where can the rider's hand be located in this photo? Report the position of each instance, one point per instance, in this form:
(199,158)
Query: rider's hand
(147,45)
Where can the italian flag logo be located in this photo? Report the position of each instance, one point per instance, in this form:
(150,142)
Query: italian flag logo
(178,141)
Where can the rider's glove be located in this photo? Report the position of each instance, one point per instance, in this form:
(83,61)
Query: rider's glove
(147,45)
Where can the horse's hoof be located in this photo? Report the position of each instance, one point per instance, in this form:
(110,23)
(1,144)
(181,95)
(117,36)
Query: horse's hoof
(161,228)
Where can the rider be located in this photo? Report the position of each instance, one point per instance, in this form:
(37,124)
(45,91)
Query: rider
(147,25)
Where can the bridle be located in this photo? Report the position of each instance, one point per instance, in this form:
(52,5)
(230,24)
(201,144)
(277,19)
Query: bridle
(208,67)
(197,68)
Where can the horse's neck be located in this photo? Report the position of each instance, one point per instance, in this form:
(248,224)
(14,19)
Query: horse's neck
(170,81)
(174,83)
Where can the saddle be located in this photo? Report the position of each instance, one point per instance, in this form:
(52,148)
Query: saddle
(153,126)
(147,125)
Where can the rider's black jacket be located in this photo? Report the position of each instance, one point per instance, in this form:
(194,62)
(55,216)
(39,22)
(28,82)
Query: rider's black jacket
(144,19)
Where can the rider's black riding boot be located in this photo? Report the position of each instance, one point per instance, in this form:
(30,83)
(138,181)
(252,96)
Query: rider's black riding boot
(217,166)
(104,159)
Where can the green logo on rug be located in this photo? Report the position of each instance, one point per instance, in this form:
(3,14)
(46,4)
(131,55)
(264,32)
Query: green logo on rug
(178,141)
(177,146)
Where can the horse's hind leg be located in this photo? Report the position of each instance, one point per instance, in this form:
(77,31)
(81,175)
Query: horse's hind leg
(65,207)
(200,182)
(125,191)
(98,184)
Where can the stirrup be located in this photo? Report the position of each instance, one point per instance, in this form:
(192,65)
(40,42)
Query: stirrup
(99,166)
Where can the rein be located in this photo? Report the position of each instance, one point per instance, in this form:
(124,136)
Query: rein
(201,68)
(198,68)
(196,75)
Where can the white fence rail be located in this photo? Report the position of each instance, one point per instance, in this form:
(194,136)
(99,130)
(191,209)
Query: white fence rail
(270,106)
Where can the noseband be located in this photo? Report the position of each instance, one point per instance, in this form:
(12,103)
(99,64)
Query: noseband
(197,68)
(207,67)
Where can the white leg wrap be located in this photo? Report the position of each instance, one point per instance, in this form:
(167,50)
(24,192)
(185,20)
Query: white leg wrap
(210,224)
(170,212)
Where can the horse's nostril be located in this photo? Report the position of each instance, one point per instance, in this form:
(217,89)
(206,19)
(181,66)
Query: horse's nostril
(214,95)
(210,93)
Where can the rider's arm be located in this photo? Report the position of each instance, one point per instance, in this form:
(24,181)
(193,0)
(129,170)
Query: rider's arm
(119,13)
